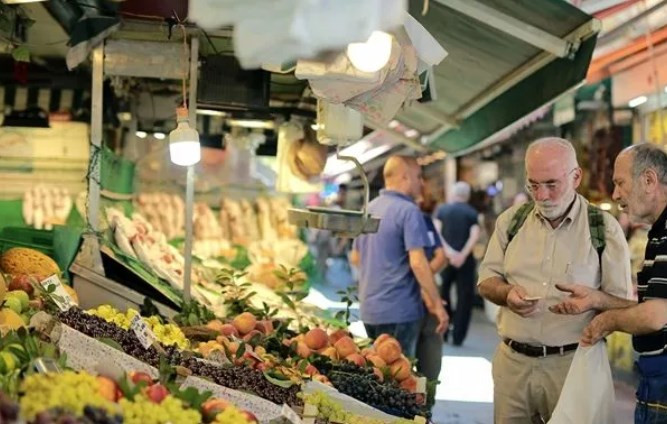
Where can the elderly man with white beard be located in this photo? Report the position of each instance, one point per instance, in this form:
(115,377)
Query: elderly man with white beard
(558,237)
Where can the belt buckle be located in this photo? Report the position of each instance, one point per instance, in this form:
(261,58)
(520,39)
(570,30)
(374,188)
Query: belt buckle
(544,351)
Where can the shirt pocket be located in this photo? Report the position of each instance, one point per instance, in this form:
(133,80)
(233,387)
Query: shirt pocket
(585,274)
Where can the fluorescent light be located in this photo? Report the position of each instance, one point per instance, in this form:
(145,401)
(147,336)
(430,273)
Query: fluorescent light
(184,147)
(124,116)
(20,1)
(141,134)
(211,112)
(637,101)
(251,123)
(411,133)
(317,127)
(372,55)
(605,206)
(159,135)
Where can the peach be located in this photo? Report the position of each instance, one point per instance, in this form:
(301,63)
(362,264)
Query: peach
(107,388)
(345,346)
(322,379)
(229,330)
(365,352)
(233,347)
(311,370)
(376,361)
(302,350)
(379,374)
(316,339)
(251,334)
(265,326)
(337,335)
(381,338)
(389,351)
(401,369)
(356,359)
(330,352)
(215,325)
(409,384)
(245,322)
(222,340)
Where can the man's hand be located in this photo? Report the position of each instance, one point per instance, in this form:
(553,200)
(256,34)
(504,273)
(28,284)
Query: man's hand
(601,326)
(456,259)
(443,320)
(582,299)
(516,301)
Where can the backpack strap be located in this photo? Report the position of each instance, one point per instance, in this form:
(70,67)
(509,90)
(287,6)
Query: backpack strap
(596,227)
(518,219)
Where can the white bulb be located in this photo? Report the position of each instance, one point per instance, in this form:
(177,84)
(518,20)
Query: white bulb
(185,153)
(372,55)
(141,134)
(160,135)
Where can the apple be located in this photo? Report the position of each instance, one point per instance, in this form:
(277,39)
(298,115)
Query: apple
(138,376)
(156,393)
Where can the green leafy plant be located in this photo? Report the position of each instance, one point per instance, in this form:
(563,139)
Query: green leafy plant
(193,313)
(349,296)
(293,292)
(237,295)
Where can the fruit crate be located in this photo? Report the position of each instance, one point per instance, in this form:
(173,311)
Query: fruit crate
(41,240)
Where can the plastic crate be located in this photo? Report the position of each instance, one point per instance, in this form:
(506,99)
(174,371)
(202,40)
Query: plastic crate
(41,240)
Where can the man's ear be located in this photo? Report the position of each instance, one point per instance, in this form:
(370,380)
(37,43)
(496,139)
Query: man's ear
(650,178)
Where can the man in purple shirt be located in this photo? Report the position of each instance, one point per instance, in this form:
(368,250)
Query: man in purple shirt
(395,277)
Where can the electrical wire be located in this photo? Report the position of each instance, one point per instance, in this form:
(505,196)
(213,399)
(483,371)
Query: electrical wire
(185,64)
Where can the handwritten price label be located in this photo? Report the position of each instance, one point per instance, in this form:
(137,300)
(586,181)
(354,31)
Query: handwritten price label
(57,292)
(143,333)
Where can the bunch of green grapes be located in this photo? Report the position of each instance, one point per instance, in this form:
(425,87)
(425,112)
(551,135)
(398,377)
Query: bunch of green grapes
(70,391)
(167,334)
(231,415)
(111,314)
(171,410)
(332,411)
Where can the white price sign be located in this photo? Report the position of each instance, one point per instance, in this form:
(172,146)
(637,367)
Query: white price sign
(143,333)
(61,298)
(289,414)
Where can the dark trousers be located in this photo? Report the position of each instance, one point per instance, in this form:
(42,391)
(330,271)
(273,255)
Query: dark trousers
(429,348)
(405,332)
(652,390)
(464,279)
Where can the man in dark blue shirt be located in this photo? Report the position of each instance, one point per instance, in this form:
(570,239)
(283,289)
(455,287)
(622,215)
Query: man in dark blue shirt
(460,229)
(395,279)
(640,187)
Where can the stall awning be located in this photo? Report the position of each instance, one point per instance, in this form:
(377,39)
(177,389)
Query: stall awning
(506,59)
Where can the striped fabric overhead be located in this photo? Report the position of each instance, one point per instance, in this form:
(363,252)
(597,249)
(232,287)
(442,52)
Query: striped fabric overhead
(51,100)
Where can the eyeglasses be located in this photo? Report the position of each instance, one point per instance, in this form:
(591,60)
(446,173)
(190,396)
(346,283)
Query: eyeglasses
(550,186)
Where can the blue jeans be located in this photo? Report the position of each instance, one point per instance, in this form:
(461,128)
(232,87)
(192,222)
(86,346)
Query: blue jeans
(405,332)
(652,391)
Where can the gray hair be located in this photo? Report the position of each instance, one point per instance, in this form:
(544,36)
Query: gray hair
(461,191)
(557,141)
(649,156)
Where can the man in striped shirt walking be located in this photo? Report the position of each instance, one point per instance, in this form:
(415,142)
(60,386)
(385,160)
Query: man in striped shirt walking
(640,180)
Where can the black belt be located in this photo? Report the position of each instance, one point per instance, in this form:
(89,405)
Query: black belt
(539,351)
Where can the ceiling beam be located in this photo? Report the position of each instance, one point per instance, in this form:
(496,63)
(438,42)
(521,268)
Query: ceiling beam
(510,25)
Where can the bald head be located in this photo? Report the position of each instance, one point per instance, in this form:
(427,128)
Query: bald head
(553,149)
(403,174)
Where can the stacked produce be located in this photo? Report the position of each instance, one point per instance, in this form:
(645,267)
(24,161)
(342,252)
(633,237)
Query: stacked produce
(45,206)
(165,212)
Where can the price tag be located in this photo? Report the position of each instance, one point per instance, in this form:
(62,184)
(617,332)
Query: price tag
(289,414)
(61,298)
(143,333)
(421,385)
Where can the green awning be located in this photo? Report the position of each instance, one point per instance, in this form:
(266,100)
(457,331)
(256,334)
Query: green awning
(492,77)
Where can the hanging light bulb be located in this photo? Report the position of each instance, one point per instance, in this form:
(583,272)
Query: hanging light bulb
(184,148)
(372,55)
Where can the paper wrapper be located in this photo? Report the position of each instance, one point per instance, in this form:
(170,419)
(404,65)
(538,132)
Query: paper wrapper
(264,410)
(87,354)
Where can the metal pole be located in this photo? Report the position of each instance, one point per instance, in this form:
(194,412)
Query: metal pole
(96,138)
(190,178)
(189,203)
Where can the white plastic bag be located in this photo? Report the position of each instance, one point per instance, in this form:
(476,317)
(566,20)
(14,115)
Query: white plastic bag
(588,393)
